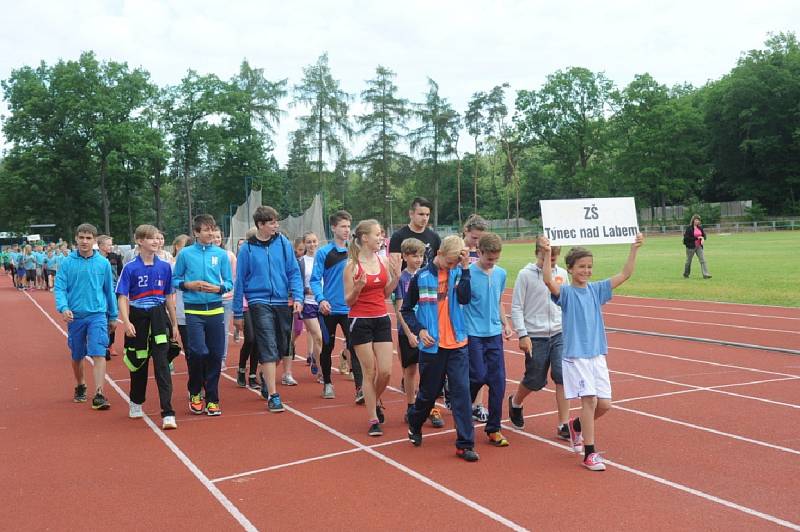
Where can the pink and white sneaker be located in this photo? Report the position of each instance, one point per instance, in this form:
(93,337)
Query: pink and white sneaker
(575,437)
(594,462)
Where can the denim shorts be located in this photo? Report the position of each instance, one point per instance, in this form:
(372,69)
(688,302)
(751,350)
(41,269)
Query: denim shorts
(546,355)
(272,326)
(88,336)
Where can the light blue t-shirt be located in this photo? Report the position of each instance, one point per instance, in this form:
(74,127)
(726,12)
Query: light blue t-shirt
(584,332)
(482,314)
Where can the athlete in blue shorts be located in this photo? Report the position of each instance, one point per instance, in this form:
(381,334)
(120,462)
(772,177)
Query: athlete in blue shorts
(84,291)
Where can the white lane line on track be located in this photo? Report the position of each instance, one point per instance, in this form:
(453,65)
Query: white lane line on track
(675,320)
(185,460)
(707,429)
(707,388)
(407,470)
(670,483)
(611,304)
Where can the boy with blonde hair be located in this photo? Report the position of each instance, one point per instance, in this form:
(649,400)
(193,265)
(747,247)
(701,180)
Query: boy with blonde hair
(432,311)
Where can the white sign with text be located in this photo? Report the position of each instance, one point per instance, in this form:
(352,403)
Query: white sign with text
(589,221)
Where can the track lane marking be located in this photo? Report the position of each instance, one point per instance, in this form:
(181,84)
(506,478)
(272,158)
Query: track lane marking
(179,454)
(669,483)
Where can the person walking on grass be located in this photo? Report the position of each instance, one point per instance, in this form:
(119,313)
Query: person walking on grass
(694,239)
(368,281)
(585,344)
(147,310)
(328,288)
(433,311)
(84,294)
(203,273)
(268,276)
(487,326)
(537,320)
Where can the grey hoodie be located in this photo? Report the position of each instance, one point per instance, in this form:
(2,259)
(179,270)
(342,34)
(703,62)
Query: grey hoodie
(533,312)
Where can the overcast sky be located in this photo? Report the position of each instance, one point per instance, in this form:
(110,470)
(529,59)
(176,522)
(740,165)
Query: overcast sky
(466,46)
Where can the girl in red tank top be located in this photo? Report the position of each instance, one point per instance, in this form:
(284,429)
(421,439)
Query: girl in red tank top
(368,281)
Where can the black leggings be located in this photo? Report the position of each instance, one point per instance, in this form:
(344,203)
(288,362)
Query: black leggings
(330,322)
(248,346)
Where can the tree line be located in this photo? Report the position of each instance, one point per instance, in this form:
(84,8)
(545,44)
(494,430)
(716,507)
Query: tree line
(97,140)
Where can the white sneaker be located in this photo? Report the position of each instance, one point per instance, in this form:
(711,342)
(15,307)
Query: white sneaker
(288,380)
(135,411)
(327,391)
(169,423)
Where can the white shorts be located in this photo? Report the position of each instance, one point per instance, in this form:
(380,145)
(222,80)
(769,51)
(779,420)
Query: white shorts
(585,377)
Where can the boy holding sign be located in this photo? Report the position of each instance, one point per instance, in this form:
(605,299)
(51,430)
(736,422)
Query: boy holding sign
(584,368)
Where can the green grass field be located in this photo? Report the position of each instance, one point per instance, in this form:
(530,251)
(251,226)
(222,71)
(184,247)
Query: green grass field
(746,267)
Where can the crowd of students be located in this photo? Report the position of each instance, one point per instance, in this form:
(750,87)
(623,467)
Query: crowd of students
(447,298)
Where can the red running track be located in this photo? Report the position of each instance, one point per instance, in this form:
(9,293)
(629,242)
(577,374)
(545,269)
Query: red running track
(702,437)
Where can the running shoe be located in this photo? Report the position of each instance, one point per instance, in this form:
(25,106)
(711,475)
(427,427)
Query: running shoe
(80,394)
(288,380)
(196,404)
(308,360)
(515,414)
(320,379)
(169,423)
(252,382)
(497,439)
(575,438)
(240,378)
(359,396)
(274,404)
(135,411)
(379,413)
(414,437)
(314,367)
(594,462)
(480,414)
(468,454)
(327,391)
(375,429)
(99,402)
(563,432)
(436,418)
(212,409)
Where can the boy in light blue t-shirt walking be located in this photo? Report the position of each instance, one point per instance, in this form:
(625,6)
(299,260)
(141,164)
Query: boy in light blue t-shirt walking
(487,324)
(584,367)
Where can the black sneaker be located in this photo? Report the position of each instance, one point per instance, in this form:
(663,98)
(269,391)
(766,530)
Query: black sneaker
(80,394)
(563,432)
(379,413)
(467,454)
(415,437)
(100,402)
(252,382)
(240,378)
(359,396)
(375,430)
(515,415)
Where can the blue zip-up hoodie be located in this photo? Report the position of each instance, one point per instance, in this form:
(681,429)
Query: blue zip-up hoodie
(327,277)
(202,262)
(422,293)
(266,272)
(86,286)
